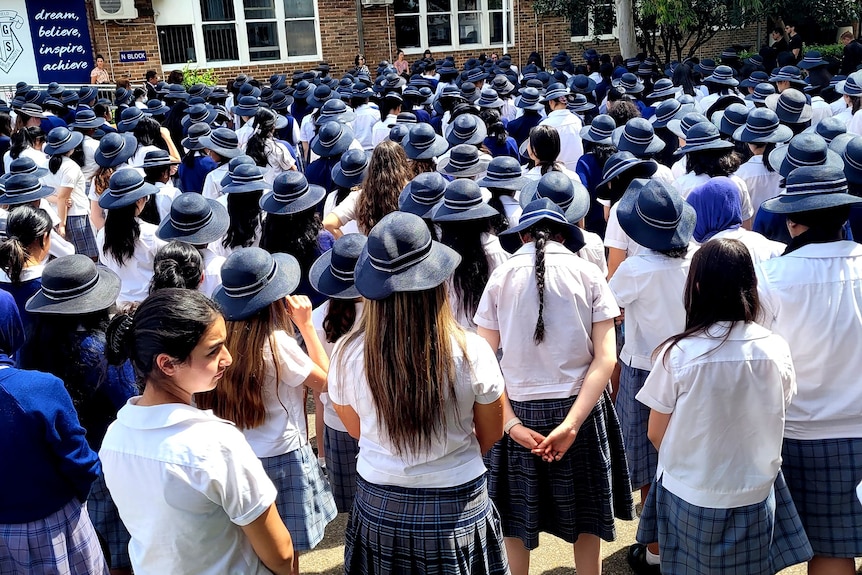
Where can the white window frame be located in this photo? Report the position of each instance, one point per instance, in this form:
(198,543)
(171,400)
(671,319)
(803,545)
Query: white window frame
(591,34)
(197,23)
(484,18)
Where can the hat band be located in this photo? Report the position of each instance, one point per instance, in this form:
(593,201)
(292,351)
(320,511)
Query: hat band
(237,179)
(425,200)
(462,164)
(119,192)
(291,196)
(599,133)
(30,169)
(656,223)
(252,289)
(465,204)
(222,143)
(340,274)
(22,191)
(708,139)
(114,153)
(350,172)
(191,226)
(531,218)
(767,129)
(854,163)
(466,135)
(494,175)
(799,162)
(640,140)
(63,141)
(403,261)
(792,109)
(67,294)
(332,141)
(820,187)
(423,145)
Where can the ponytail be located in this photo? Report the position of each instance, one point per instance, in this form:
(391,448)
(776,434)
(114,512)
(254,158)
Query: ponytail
(54,163)
(540,237)
(122,230)
(117,349)
(24,227)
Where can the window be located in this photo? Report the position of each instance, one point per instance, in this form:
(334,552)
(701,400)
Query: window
(231,32)
(450,23)
(600,23)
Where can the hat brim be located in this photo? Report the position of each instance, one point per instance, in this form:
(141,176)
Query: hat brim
(513,184)
(780,135)
(812,65)
(675,126)
(38,172)
(344,181)
(479,167)
(443,213)
(192,145)
(475,140)
(574,213)
(586,135)
(322,280)
(439,147)
(271,205)
(212,114)
(645,170)
(795,203)
(664,93)
(655,145)
(315,103)
(283,283)
(778,161)
(212,231)
(89,125)
(102,296)
(510,239)
(124,156)
(18,199)
(344,117)
(838,145)
(732,82)
(407,204)
(161,111)
(244,112)
(246,187)
(537,106)
(74,142)
(651,237)
(110,202)
(429,273)
(717,144)
(230,153)
(341,146)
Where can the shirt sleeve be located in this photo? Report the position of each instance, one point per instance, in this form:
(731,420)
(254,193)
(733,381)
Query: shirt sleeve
(768,307)
(340,390)
(486,312)
(604,305)
(294,365)
(615,237)
(744,199)
(624,284)
(67,175)
(660,391)
(346,210)
(488,382)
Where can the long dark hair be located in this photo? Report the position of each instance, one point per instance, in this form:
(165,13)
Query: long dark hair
(682,77)
(721,286)
(264,128)
(541,233)
(177,265)
(24,227)
(245,218)
(713,163)
(122,231)
(294,234)
(545,144)
(472,273)
(340,317)
(23,139)
(148,133)
(494,124)
(499,223)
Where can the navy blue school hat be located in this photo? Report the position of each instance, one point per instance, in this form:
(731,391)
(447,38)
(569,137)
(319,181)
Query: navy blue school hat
(422,194)
(252,279)
(194,219)
(811,188)
(538,211)
(333,273)
(462,201)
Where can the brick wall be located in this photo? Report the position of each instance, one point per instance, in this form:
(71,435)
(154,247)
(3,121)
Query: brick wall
(340,40)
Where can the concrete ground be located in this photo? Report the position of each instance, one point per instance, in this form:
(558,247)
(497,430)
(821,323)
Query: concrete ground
(553,557)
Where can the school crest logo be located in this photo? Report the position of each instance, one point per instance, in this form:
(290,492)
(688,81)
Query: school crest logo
(10,46)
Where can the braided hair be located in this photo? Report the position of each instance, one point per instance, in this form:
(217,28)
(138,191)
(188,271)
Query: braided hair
(540,238)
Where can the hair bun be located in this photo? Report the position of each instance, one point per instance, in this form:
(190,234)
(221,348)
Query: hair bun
(118,338)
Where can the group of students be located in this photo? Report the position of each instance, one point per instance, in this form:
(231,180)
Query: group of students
(517,295)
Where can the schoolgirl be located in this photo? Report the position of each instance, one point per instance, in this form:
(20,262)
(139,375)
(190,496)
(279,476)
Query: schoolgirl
(196,164)
(25,188)
(638,137)
(762,133)
(503,179)
(716,204)
(347,176)
(808,300)
(598,147)
(390,107)
(422,147)
(558,398)
(43,523)
(264,395)
(222,146)
(266,151)
(87,123)
(332,275)
(114,151)
(27,142)
(330,143)
(158,169)
(498,142)
(177,265)
(126,244)
(412,484)
(23,254)
(719,503)
(202,223)
(543,148)
(218,515)
(69,185)
(649,286)
(465,226)
(242,196)
(532,114)
(67,339)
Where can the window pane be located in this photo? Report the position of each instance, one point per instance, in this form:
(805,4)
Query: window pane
(469,29)
(440,30)
(407,31)
(496,5)
(496,27)
(301,38)
(406,7)
(263,41)
(439,6)
(579,27)
(259,9)
(217,10)
(299,9)
(177,44)
(603,19)
(468,5)
(220,42)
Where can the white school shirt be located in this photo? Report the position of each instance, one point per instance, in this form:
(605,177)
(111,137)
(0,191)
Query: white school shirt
(762,184)
(284,429)
(380,130)
(854,126)
(594,251)
(811,297)
(760,247)
(512,208)
(576,297)
(244,134)
(650,287)
(453,459)
(366,117)
(37,156)
(346,210)
(722,448)
(838,106)
(495,256)
(819,110)
(90,167)
(690,181)
(137,271)
(329,206)
(318,315)
(212,183)
(844,116)
(568,126)
(679,168)
(69,175)
(140,154)
(278,160)
(185,483)
(616,237)
(212,270)
(164,197)
(59,247)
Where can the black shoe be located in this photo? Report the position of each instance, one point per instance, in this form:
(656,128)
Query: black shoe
(637,561)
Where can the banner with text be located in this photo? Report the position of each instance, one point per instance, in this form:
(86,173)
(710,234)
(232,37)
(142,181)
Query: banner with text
(45,41)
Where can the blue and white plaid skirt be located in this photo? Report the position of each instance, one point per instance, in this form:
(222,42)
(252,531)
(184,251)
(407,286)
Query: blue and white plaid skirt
(106,519)
(63,543)
(79,232)
(641,455)
(759,539)
(341,451)
(822,476)
(446,531)
(304,500)
(581,493)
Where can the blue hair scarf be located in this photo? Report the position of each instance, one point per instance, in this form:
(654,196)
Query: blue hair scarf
(11,329)
(717,206)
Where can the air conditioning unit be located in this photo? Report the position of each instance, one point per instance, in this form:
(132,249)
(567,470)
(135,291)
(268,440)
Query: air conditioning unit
(368,3)
(115,9)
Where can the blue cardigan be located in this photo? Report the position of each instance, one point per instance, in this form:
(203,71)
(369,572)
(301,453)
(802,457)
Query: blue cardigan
(42,446)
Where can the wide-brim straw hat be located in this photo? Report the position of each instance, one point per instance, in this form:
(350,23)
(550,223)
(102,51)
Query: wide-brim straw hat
(74,285)
(333,273)
(194,219)
(252,279)
(811,188)
(656,217)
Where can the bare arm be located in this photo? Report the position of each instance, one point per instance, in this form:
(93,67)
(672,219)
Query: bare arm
(658,423)
(615,258)
(332,225)
(63,194)
(271,541)
(488,423)
(349,418)
(300,312)
(97,216)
